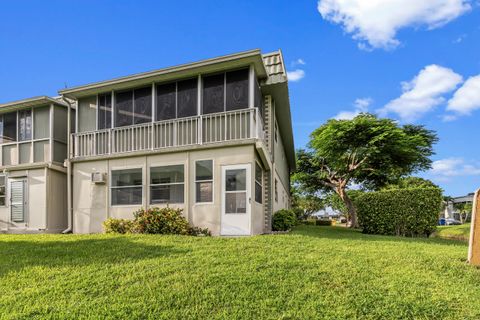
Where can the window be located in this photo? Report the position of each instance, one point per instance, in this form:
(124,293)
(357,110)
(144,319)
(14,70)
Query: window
(166,101)
(41,122)
(8,127)
(133,107)
(213,93)
(167,184)
(104,111)
(276,190)
(127,187)
(3,190)
(25,125)
(258,183)
(204,181)
(237,90)
(276,132)
(187,98)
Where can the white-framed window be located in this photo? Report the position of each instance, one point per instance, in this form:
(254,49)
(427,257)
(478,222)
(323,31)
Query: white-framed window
(276,190)
(126,187)
(3,191)
(203,181)
(258,183)
(167,184)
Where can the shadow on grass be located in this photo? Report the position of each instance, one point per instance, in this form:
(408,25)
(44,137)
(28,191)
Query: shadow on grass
(18,254)
(341,233)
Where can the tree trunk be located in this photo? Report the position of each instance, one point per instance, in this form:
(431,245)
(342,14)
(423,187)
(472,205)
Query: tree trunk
(352,211)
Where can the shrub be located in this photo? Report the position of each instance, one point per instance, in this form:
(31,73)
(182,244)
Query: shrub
(283,220)
(323,222)
(162,221)
(299,214)
(309,222)
(403,212)
(112,225)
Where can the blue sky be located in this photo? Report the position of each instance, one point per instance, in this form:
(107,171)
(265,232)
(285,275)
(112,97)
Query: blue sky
(402,60)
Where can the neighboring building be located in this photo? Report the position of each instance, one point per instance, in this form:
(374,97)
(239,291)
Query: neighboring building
(212,137)
(33,180)
(450,211)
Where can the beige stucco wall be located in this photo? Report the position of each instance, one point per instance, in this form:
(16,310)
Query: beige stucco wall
(282,174)
(91,202)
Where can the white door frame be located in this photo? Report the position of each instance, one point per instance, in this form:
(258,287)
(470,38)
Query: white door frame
(236,224)
(25,200)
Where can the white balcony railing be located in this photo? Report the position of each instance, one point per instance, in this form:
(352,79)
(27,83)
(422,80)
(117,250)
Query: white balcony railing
(202,129)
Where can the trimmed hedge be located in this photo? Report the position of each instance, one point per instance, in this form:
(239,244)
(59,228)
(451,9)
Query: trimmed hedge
(323,222)
(403,212)
(283,220)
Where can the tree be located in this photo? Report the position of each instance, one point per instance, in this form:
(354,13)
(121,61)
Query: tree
(336,203)
(365,150)
(308,203)
(411,182)
(464,209)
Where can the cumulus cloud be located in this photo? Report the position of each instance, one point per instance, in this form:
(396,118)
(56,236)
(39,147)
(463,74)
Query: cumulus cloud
(467,98)
(453,167)
(423,93)
(295,75)
(360,105)
(375,23)
(298,62)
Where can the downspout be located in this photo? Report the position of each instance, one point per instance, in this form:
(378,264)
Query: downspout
(69,170)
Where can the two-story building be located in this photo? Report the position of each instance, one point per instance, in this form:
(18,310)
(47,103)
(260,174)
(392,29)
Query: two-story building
(212,137)
(33,179)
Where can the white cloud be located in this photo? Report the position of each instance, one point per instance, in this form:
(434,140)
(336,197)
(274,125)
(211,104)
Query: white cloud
(453,167)
(467,98)
(299,61)
(375,23)
(360,105)
(295,75)
(423,93)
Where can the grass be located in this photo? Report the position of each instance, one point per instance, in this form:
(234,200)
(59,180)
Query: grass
(314,272)
(460,232)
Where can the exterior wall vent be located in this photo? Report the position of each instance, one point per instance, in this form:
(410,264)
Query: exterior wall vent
(99,177)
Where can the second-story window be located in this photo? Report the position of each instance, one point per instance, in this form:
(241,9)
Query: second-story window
(166,101)
(104,111)
(24,125)
(226,91)
(8,127)
(187,98)
(133,107)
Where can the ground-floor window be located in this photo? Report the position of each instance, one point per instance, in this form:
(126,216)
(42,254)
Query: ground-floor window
(276,190)
(127,187)
(3,190)
(204,181)
(167,184)
(258,183)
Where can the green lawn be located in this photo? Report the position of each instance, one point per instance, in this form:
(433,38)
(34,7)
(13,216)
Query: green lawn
(316,272)
(461,232)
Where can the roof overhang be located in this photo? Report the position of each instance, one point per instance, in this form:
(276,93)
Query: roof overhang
(30,102)
(246,58)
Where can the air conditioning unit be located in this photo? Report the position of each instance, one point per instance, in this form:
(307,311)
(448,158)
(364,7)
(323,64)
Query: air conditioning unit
(99,177)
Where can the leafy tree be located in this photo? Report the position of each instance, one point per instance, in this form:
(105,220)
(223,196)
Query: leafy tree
(308,203)
(464,209)
(411,182)
(336,203)
(365,150)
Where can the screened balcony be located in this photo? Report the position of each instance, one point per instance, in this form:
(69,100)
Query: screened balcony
(197,111)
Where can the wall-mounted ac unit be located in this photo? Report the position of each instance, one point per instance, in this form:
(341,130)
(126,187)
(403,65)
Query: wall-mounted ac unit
(99,177)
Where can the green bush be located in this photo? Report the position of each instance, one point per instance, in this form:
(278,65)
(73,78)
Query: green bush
(309,222)
(112,225)
(161,221)
(283,220)
(155,221)
(403,212)
(299,214)
(323,222)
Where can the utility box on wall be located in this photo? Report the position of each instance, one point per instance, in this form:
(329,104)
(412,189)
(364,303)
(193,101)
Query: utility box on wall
(99,177)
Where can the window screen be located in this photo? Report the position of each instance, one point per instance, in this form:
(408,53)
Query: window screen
(126,188)
(237,89)
(104,111)
(258,183)
(3,191)
(187,98)
(167,184)
(213,94)
(41,122)
(25,125)
(204,181)
(123,108)
(143,105)
(8,127)
(166,101)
